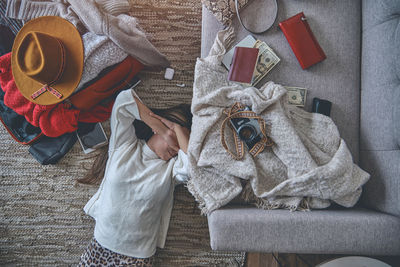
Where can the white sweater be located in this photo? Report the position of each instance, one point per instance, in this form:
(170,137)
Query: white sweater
(133,205)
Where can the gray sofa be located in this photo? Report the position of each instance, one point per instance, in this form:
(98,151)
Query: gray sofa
(361,77)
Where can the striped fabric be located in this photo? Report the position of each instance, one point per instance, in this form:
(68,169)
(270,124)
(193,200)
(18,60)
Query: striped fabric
(14,25)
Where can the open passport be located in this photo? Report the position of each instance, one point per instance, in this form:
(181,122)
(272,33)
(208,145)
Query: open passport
(243,64)
(266,60)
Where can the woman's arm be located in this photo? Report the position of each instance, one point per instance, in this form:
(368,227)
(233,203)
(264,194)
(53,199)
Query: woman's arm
(182,133)
(156,125)
(124,112)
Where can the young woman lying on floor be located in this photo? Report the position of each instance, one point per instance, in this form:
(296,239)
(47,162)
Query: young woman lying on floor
(146,158)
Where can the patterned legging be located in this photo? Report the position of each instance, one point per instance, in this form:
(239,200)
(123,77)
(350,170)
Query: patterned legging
(95,255)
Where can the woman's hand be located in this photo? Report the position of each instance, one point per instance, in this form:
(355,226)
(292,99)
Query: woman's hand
(156,125)
(168,135)
(181,133)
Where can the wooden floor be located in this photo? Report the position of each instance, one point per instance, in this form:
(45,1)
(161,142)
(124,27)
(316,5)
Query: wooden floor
(301,260)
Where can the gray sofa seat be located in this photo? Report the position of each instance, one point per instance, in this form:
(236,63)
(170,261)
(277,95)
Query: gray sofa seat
(359,38)
(380,97)
(341,231)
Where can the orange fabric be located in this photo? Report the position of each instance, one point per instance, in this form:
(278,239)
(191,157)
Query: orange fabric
(112,82)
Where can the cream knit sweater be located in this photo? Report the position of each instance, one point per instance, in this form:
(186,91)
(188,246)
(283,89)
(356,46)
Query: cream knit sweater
(308,167)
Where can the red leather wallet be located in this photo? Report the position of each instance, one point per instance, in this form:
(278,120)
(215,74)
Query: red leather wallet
(302,41)
(243,63)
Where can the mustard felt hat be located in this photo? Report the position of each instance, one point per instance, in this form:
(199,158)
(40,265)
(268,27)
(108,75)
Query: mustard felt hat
(47,60)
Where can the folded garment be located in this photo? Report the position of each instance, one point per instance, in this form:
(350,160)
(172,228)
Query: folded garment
(100,52)
(13,24)
(98,113)
(49,150)
(53,120)
(113,81)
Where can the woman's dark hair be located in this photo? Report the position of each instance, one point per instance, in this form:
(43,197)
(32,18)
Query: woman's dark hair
(180,114)
(174,114)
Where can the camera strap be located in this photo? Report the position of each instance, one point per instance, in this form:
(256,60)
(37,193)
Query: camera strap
(236,111)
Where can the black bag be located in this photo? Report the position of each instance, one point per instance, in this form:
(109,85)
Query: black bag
(49,150)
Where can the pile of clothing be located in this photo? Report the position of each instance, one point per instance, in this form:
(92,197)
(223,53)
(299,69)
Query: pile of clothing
(65,67)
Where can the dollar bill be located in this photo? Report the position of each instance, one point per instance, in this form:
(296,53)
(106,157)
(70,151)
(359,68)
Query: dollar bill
(296,96)
(267,60)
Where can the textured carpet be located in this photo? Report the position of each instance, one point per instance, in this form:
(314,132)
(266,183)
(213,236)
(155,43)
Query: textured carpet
(174,27)
(41,218)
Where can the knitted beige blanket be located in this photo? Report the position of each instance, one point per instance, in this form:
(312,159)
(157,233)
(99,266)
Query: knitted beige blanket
(308,167)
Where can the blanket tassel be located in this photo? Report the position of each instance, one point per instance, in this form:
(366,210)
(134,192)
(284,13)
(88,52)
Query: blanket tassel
(249,197)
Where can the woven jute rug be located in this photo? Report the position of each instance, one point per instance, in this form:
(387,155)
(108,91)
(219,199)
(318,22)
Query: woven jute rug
(41,218)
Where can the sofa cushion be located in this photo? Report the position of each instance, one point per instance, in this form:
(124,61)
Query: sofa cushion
(379,121)
(382,191)
(379,74)
(342,231)
(336,26)
(396,115)
(396,92)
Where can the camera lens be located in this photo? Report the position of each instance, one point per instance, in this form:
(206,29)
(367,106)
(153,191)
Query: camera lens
(247,132)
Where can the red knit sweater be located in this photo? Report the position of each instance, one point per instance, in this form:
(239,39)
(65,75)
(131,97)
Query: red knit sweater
(54,120)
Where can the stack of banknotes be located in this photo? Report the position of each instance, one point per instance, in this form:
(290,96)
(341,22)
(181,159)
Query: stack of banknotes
(267,60)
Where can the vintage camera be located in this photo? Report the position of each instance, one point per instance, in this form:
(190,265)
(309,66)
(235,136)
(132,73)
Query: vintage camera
(248,130)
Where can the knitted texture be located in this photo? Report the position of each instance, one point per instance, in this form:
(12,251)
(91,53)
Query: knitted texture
(308,166)
(113,7)
(100,52)
(45,7)
(26,10)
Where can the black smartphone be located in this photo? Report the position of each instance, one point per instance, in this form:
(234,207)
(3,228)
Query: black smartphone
(91,136)
(321,106)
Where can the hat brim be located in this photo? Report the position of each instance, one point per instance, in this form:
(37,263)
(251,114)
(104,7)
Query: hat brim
(71,76)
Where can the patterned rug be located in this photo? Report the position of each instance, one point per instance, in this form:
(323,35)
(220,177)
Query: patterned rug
(41,218)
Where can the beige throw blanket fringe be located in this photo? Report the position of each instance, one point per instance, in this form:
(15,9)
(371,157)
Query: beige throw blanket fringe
(308,167)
